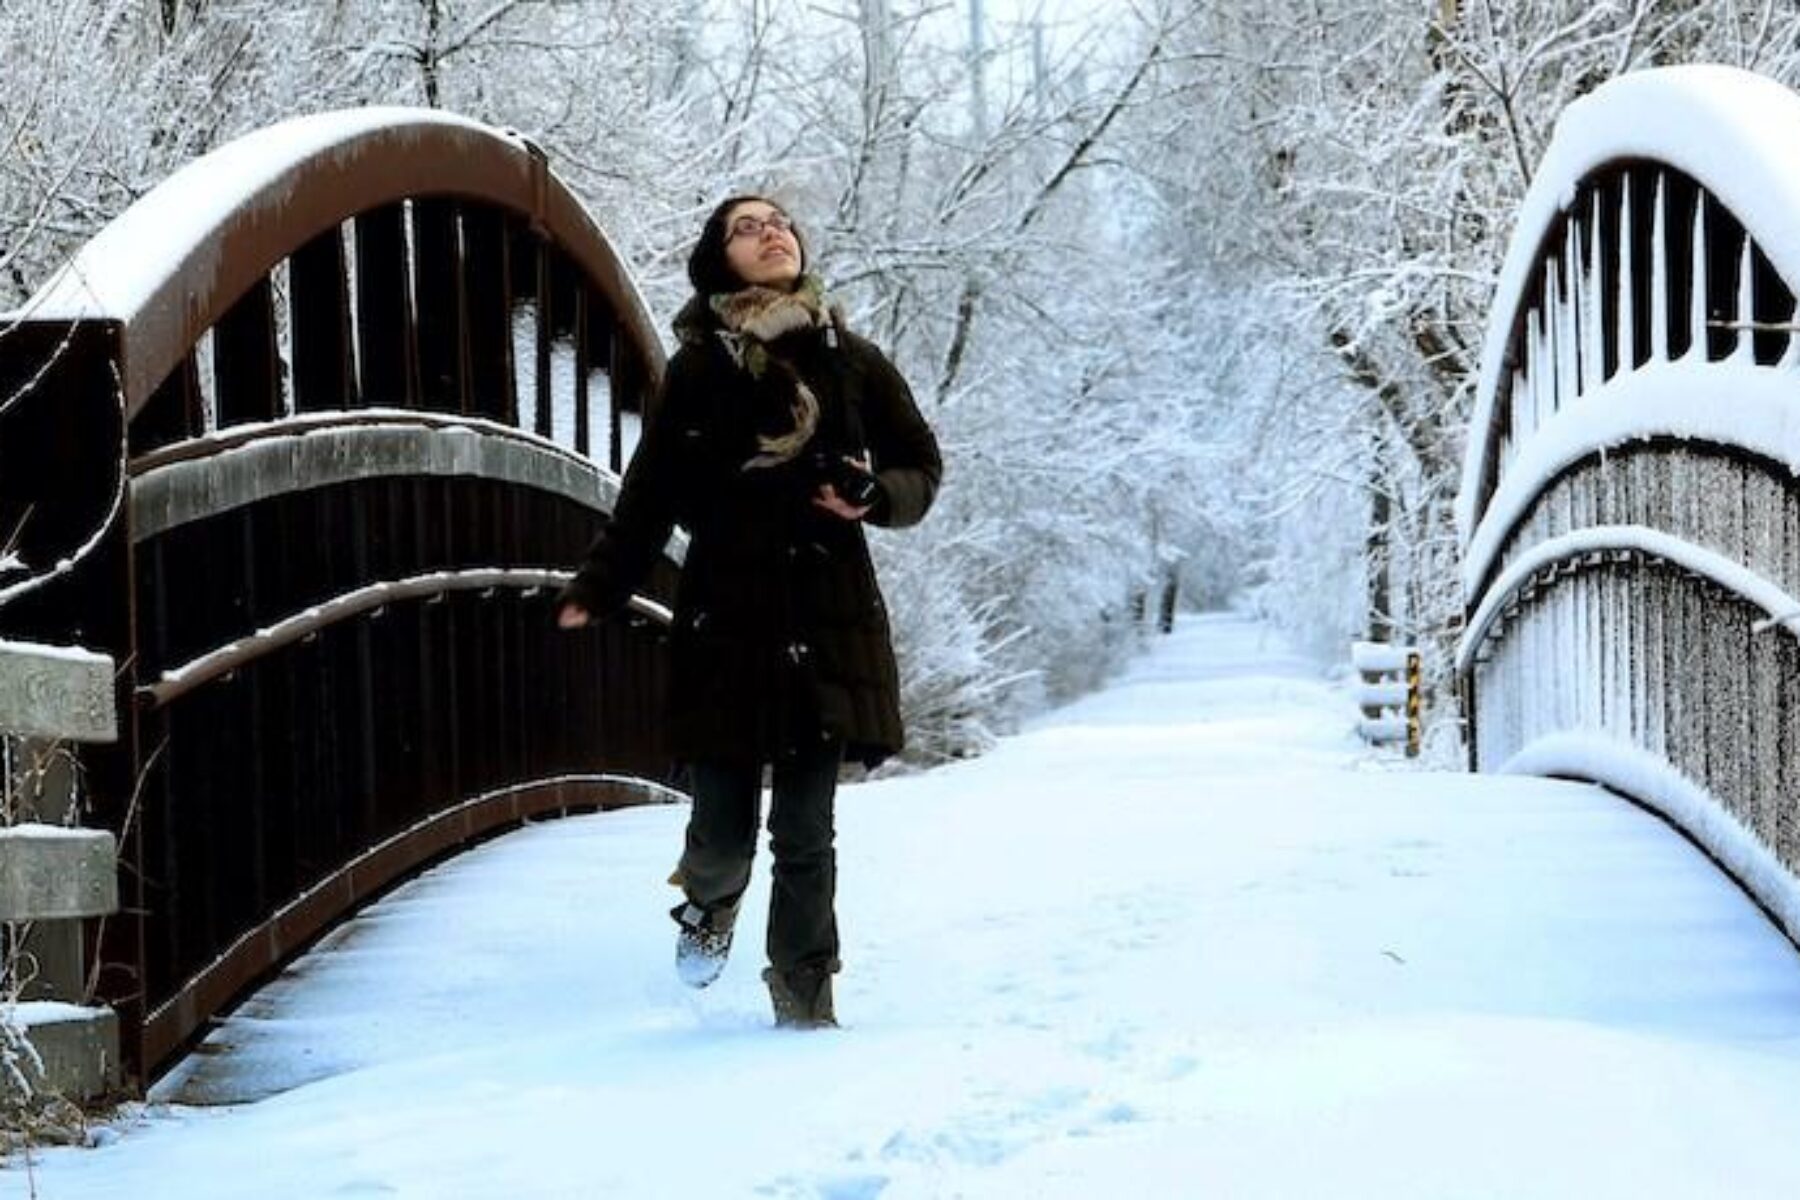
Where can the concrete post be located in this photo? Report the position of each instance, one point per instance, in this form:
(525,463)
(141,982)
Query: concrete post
(53,874)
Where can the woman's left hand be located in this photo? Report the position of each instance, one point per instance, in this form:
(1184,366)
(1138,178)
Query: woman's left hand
(828,499)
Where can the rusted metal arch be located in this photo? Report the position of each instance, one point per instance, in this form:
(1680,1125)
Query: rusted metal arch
(336,671)
(224,222)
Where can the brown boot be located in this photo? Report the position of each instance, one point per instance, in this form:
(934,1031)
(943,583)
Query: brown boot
(802,999)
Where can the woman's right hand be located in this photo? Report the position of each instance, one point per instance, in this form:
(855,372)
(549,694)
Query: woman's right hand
(572,616)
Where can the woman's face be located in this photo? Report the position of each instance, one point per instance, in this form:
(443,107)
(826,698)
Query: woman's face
(760,246)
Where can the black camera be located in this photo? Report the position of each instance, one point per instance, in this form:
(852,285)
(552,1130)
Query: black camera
(854,486)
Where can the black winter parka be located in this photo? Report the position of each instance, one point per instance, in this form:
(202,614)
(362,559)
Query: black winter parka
(780,632)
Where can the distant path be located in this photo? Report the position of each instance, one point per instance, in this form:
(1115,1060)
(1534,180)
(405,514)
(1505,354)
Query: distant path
(1184,937)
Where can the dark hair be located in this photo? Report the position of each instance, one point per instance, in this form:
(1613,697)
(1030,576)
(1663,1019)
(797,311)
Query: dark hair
(707,267)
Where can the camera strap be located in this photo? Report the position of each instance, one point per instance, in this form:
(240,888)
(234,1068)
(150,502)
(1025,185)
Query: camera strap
(848,389)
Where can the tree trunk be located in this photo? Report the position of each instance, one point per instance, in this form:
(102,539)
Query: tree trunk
(1377,554)
(428,56)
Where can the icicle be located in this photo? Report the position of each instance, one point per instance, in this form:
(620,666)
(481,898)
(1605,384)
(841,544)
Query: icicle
(1575,289)
(1547,348)
(1522,401)
(1697,292)
(1626,284)
(1593,307)
(1544,374)
(1745,351)
(1568,347)
(1523,407)
(1562,714)
(1659,274)
(1515,407)
(1525,390)
(1587,712)
(1552,362)
(1525,399)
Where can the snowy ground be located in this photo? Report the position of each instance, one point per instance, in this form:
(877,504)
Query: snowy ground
(1184,938)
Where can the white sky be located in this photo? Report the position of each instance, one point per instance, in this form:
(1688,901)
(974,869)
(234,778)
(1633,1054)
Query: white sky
(1185,937)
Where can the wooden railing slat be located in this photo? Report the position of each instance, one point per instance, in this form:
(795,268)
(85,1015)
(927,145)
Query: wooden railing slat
(246,364)
(385,334)
(319,303)
(487,277)
(438,297)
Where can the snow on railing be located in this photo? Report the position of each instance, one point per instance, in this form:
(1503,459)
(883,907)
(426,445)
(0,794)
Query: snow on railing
(1731,133)
(277,458)
(1388,693)
(1632,410)
(168,266)
(1629,497)
(178,681)
(1590,545)
(1648,779)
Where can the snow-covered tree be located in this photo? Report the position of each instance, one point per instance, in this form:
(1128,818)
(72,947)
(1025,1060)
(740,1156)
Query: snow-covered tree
(1352,182)
(1187,289)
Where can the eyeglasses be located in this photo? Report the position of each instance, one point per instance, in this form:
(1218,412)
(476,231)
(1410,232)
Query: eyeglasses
(751,227)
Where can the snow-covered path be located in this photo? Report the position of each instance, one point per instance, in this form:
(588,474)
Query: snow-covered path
(1184,938)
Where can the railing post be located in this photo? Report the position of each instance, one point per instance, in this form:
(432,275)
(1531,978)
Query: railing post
(583,419)
(69,581)
(618,394)
(1390,681)
(487,243)
(319,316)
(53,874)
(545,258)
(246,360)
(65,579)
(175,411)
(386,347)
(438,296)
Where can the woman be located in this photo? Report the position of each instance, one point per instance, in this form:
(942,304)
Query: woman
(777,434)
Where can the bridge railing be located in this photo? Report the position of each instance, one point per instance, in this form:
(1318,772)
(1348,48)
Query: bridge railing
(1630,508)
(304,440)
